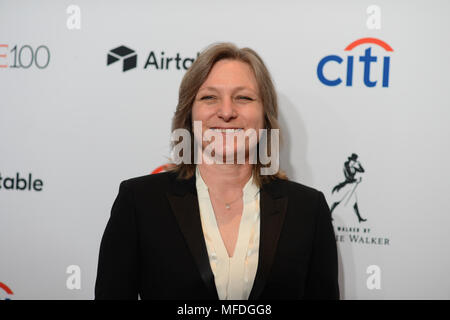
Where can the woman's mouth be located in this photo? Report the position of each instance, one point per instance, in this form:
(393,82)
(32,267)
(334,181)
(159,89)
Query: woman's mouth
(226,130)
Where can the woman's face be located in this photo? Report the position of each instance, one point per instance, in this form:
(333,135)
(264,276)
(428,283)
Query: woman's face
(229,99)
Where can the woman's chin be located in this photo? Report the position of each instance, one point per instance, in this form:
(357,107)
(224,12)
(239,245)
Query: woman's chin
(232,156)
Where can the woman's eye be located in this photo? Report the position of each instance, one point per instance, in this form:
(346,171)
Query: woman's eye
(245,98)
(207,98)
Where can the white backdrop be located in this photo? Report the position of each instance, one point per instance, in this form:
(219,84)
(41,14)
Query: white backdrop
(80,127)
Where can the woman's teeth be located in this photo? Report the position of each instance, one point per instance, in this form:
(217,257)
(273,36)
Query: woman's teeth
(226,130)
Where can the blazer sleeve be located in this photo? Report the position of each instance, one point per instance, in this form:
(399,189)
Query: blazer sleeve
(322,280)
(117,272)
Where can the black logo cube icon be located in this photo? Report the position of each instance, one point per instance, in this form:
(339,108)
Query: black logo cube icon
(129,57)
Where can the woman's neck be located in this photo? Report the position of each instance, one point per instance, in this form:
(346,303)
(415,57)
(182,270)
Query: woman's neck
(223,178)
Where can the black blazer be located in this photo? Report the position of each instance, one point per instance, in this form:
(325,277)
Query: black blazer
(154,246)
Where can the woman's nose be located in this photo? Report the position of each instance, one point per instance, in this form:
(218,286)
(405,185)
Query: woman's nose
(227,110)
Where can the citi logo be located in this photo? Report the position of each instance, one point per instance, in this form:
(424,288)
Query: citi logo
(128,57)
(366,60)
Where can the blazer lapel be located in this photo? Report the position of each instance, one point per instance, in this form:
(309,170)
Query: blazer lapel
(184,203)
(273,206)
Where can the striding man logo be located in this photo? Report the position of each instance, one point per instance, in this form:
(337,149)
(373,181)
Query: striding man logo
(345,192)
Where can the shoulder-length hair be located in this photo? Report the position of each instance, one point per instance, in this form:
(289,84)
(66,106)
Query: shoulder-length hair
(196,75)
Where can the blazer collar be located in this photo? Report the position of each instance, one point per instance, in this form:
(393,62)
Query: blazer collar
(183,200)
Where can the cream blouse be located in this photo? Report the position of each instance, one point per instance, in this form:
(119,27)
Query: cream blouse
(233,276)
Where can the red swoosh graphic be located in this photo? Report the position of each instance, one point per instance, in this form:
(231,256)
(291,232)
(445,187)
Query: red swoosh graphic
(162,168)
(6,288)
(376,41)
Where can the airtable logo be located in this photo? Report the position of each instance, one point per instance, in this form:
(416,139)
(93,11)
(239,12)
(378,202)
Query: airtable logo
(154,61)
(366,59)
(129,57)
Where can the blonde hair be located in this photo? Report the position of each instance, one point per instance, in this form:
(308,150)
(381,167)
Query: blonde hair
(196,75)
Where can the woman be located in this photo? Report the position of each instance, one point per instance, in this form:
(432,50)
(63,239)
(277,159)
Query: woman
(218,230)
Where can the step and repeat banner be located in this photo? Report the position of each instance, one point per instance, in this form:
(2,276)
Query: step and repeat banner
(89,88)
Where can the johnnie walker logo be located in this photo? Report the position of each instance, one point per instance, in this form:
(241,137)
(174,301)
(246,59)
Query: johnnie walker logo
(346,190)
(344,208)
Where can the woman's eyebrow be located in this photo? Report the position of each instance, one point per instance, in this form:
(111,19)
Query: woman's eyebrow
(209,88)
(234,89)
(244,88)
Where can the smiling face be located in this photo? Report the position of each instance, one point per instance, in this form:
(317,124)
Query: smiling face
(229,102)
